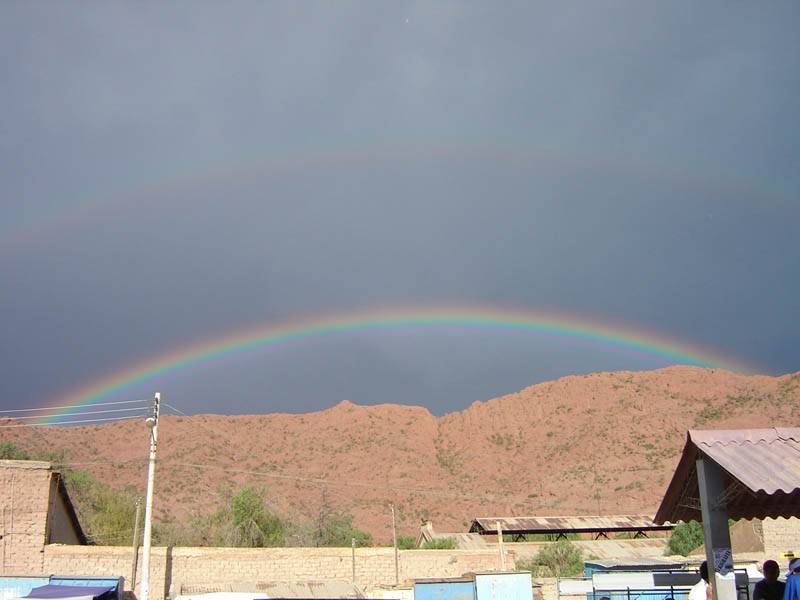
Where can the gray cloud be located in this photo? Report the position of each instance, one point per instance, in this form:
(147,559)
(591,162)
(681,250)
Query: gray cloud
(175,172)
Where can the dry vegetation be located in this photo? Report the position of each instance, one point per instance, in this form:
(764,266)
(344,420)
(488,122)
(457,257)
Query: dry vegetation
(604,443)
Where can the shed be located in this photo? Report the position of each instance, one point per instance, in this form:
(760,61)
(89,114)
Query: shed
(503,585)
(447,588)
(760,470)
(598,526)
(739,474)
(634,564)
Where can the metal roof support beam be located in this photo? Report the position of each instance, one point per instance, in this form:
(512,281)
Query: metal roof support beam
(715,528)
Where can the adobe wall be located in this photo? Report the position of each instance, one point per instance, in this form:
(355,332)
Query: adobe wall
(107,561)
(24,499)
(781,536)
(173,567)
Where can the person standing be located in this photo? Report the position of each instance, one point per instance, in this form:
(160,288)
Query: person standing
(769,588)
(792,589)
(701,590)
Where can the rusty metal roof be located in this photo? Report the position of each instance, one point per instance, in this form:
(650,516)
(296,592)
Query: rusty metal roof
(588,524)
(761,474)
(280,589)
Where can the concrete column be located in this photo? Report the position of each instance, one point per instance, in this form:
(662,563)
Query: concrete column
(715,528)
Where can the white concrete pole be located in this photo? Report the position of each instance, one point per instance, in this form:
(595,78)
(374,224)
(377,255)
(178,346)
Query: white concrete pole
(715,528)
(152,423)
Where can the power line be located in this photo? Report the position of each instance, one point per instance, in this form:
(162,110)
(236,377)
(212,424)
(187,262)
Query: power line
(318,480)
(82,413)
(103,462)
(16,410)
(140,416)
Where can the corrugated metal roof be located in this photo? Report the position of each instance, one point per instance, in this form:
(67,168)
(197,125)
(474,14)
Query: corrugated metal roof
(465,541)
(762,474)
(279,589)
(588,524)
(600,549)
(606,549)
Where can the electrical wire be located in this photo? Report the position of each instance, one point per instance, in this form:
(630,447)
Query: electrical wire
(298,478)
(104,462)
(82,413)
(318,480)
(140,416)
(16,410)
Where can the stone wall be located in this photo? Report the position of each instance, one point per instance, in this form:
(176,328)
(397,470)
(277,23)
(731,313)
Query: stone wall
(781,536)
(171,568)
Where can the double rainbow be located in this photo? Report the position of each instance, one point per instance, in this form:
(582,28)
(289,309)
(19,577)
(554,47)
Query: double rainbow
(618,339)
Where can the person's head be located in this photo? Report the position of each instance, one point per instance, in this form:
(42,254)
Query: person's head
(794,565)
(771,571)
(704,571)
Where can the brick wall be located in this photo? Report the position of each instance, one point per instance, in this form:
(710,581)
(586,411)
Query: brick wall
(173,567)
(24,503)
(780,536)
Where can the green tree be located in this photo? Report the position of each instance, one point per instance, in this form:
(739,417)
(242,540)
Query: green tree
(559,559)
(338,531)
(245,521)
(685,538)
(331,528)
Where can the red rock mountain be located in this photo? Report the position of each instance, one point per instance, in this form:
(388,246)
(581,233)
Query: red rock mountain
(605,443)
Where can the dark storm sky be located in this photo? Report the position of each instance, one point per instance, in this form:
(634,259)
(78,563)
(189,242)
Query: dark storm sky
(172,173)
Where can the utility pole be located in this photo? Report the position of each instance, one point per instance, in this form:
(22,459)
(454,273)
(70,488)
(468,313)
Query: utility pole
(136,543)
(152,424)
(394,537)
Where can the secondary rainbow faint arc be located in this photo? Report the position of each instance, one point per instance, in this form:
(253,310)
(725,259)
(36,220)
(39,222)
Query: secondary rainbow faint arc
(619,339)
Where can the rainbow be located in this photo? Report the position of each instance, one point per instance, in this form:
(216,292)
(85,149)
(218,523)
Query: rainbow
(79,212)
(481,320)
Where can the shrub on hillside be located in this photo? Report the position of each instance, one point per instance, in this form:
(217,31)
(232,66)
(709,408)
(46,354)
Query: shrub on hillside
(10,451)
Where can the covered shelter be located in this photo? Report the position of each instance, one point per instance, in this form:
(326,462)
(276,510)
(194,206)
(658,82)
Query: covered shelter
(737,474)
(597,526)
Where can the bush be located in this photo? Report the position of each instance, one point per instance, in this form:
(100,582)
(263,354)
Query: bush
(10,451)
(244,522)
(685,538)
(559,559)
(406,542)
(441,544)
(338,531)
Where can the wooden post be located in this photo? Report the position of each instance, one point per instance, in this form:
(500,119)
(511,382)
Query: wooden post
(502,549)
(396,559)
